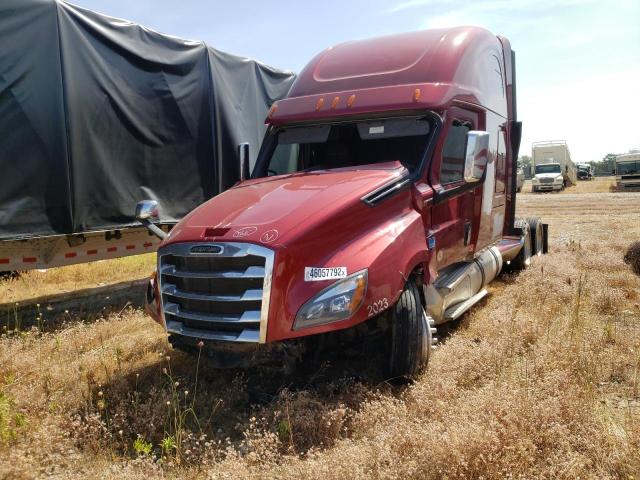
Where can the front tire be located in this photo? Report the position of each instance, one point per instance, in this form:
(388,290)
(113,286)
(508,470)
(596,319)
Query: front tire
(411,334)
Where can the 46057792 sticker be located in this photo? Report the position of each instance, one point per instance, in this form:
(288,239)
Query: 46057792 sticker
(317,274)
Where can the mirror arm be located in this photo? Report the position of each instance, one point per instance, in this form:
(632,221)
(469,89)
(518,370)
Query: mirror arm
(153,228)
(243,156)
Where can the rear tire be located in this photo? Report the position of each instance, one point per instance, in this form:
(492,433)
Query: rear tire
(523,260)
(537,240)
(411,334)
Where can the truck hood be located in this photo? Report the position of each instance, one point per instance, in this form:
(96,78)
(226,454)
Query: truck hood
(266,210)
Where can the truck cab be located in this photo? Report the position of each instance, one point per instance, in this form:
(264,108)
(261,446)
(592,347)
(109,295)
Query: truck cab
(627,170)
(584,171)
(382,202)
(548,177)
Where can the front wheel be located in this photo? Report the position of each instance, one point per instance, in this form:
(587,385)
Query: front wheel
(412,333)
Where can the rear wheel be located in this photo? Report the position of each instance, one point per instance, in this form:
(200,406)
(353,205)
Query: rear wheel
(523,260)
(537,240)
(412,333)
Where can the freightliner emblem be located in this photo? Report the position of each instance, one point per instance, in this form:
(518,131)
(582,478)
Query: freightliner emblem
(215,249)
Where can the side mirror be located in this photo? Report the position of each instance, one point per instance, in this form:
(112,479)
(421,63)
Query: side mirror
(243,156)
(146,213)
(476,156)
(147,210)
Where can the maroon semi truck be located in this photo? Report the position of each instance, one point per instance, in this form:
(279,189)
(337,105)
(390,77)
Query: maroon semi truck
(382,202)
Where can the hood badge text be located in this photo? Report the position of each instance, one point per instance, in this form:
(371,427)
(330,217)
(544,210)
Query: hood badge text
(269,236)
(244,232)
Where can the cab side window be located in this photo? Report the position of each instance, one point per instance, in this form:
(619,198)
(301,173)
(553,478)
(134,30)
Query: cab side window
(452,166)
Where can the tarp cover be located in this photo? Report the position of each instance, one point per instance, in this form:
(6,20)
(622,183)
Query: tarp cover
(97,113)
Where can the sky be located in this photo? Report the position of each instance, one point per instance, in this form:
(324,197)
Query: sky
(578,61)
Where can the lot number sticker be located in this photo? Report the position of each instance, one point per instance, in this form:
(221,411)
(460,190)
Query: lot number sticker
(316,274)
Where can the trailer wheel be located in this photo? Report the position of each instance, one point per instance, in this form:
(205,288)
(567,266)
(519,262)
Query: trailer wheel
(523,260)
(411,334)
(537,237)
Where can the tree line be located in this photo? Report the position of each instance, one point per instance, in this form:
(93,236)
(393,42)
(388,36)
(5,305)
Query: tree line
(606,166)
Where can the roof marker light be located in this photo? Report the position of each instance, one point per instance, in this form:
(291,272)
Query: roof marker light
(416,94)
(319,103)
(335,102)
(351,100)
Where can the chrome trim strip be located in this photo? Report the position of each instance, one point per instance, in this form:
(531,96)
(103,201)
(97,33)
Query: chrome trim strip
(247,335)
(229,249)
(252,295)
(250,272)
(266,294)
(249,316)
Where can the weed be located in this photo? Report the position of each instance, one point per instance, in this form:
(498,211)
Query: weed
(11,422)
(142,447)
(632,257)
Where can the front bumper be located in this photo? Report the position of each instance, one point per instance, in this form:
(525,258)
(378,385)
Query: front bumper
(547,187)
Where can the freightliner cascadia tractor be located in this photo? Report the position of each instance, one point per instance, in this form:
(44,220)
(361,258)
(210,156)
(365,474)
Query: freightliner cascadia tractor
(381,203)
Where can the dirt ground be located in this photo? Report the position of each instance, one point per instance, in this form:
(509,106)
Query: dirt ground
(542,380)
(596,185)
(36,283)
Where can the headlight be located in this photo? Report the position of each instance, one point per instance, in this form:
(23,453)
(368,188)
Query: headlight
(336,302)
(558,179)
(535,180)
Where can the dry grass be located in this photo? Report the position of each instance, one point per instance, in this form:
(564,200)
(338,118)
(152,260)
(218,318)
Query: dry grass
(542,380)
(35,283)
(597,185)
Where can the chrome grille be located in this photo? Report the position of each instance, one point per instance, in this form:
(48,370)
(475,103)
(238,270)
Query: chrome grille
(221,294)
(546,180)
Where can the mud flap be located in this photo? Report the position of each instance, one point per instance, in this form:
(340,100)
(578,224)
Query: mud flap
(545,237)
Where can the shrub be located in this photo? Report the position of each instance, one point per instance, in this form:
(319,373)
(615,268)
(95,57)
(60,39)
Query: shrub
(632,257)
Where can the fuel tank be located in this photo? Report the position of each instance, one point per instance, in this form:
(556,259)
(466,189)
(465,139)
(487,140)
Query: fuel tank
(461,285)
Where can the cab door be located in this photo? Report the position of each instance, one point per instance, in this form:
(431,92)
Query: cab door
(454,215)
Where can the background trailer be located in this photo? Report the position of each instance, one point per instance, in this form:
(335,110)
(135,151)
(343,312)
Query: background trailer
(97,113)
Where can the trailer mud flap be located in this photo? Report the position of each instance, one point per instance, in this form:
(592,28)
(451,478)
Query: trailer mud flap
(545,237)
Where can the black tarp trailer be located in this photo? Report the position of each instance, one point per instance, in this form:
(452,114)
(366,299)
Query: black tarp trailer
(97,113)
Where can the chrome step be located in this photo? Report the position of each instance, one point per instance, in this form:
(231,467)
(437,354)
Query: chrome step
(455,311)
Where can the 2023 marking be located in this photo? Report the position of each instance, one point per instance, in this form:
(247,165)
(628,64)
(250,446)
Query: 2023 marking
(377,306)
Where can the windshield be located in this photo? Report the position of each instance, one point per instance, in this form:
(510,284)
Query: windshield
(628,168)
(548,168)
(326,147)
